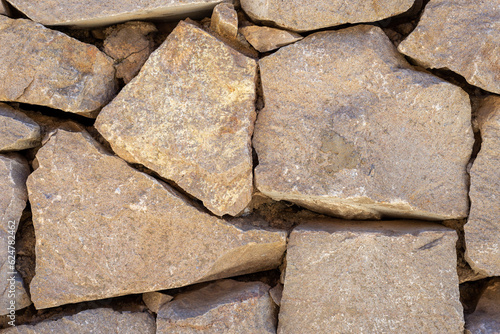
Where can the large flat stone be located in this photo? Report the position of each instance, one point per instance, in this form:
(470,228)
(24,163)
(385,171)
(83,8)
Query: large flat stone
(103,229)
(462,36)
(54,70)
(350,129)
(17,131)
(222,307)
(482,231)
(369,277)
(486,318)
(189,115)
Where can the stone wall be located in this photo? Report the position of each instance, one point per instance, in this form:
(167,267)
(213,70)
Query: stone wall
(200,166)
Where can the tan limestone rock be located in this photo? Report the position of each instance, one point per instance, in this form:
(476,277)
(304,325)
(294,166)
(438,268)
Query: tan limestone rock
(225,20)
(266,39)
(55,70)
(188,115)
(17,131)
(96,321)
(486,317)
(482,231)
(371,277)
(104,229)
(154,300)
(462,36)
(350,129)
(4,8)
(298,15)
(222,307)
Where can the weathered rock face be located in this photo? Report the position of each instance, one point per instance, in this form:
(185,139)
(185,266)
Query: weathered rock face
(188,115)
(4,9)
(266,39)
(368,277)
(104,229)
(486,317)
(350,129)
(97,13)
(225,306)
(315,14)
(96,321)
(225,20)
(13,173)
(467,42)
(56,71)
(482,231)
(17,131)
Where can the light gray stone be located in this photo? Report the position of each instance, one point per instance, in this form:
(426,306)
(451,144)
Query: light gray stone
(17,131)
(486,317)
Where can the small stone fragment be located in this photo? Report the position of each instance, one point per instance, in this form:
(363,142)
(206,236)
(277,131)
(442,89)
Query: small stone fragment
(466,42)
(4,8)
(482,231)
(96,321)
(104,229)
(55,70)
(371,277)
(277,293)
(350,129)
(298,15)
(154,300)
(222,307)
(188,116)
(265,39)
(17,131)
(225,20)
(486,317)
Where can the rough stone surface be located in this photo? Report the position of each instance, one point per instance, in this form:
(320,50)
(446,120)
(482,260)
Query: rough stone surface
(265,39)
(298,15)
(55,70)
(4,9)
(103,229)
(225,306)
(17,131)
(482,231)
(14,170)
(467,42)
(350,129)
(225,20)
(154,300)
(188,115)
(486,317)
(96,321)
(369,277)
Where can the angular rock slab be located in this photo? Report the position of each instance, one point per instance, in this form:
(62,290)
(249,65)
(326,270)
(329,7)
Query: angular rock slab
(369,277)
(96,321)
(17,131)
(466,41)
(265,39)
(482,231)
(225,306)
(360,133)
(298,15)
(95,13)
(55,70)
(189,115)
(104,229)
(486,317)
(224,20)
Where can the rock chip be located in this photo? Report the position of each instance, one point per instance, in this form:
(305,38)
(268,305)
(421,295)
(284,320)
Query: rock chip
(4,8)
(350,129)
(466,42)
(188,115)
(104,229)
(265,39)
(298,15)
(370,277)
(225,20)
(225,306)
(486,317)
(55,70)
(154,300)
(96,321)
(482,231)
(17,131)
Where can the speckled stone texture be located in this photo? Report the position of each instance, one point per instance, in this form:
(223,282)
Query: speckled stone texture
(17,131)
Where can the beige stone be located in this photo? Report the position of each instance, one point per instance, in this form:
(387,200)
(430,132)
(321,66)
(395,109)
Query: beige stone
(222,307)
(104,229)
(4,8)
(55,70)
(14,170)
(371,277)
(17,131)
(96,321)
(350,129)
(154,300)
(462,36)
(298,15)
(482,231)
(225,20)
(265,39)
(188,115)
(486,317)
